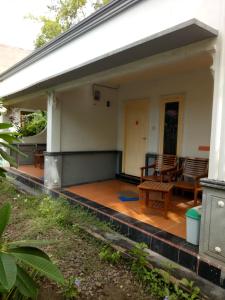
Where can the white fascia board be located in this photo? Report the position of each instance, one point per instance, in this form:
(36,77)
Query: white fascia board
(140,21)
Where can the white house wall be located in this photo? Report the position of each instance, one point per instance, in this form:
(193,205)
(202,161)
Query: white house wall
(139,21)
(88,125)
(197,87)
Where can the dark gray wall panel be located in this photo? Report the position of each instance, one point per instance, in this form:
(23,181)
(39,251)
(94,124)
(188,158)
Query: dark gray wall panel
(89,166)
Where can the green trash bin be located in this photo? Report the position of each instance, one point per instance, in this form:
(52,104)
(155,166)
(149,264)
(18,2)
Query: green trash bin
(193,222)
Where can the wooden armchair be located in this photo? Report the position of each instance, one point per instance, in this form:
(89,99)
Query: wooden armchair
(189,175)
(163,165)
(39,159)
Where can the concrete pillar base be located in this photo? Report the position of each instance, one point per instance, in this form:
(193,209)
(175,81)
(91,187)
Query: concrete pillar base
(53,170)
(212,237)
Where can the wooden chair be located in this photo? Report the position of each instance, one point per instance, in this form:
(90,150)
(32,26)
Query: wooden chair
(189,175)
(39,159)
(163,165)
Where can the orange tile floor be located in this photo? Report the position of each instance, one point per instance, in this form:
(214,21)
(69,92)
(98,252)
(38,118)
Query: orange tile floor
(31,170)
(106,193)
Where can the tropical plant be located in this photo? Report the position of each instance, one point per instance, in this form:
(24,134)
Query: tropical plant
(7,138)
(21,262)
(33,123)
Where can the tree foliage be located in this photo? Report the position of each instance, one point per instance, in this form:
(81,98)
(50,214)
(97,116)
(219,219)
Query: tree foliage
(62,14)
(99,3)
(33,124)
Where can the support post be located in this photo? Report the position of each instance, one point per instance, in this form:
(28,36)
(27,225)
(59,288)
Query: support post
(212,242)
(53,158)
(4,119)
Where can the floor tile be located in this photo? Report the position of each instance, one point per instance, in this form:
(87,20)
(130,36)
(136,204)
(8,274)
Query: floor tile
(107,193)
(32,171)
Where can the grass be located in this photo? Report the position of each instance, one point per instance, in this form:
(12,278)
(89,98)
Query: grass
(100,271)
(75,252)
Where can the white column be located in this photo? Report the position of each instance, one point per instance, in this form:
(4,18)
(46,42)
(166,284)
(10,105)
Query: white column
(54,123)
(3,162)
(53,157)
(217,144)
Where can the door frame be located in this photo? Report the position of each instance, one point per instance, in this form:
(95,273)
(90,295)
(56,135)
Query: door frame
(166,99)
(142,100)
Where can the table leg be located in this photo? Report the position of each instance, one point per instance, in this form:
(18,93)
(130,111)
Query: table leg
(35,161)
(146,198)
(167,203)
(41,162)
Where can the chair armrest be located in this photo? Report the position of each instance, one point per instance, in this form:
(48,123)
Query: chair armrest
(169,170)
(173,173)
(146,168)
(201,176)
(176,172)
(197,178)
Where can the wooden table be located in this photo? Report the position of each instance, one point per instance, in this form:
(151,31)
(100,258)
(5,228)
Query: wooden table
(162,187)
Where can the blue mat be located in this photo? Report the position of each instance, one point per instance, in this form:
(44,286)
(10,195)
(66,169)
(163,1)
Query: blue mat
(128,196)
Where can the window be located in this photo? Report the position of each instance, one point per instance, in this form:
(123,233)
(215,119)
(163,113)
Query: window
(170,128)
(171,125)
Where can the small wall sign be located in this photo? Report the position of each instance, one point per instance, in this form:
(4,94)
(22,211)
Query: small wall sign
(203,148)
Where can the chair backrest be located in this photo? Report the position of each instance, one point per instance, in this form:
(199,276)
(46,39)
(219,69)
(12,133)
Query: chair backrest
(165,160)
(194,167)
(39,151)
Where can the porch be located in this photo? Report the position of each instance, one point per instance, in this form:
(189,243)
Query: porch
(115,124)
(107,193)
(132,219)
(90,142)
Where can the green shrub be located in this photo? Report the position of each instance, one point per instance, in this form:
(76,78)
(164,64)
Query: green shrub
(109,255)
(157,281)
(56,211)
(34,123)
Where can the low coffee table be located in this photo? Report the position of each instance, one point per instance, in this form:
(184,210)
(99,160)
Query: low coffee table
(162,187)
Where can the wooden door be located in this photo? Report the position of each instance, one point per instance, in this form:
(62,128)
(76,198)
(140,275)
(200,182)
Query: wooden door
(136,136)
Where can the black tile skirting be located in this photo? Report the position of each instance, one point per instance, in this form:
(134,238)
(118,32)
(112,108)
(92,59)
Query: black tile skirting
(162,242)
